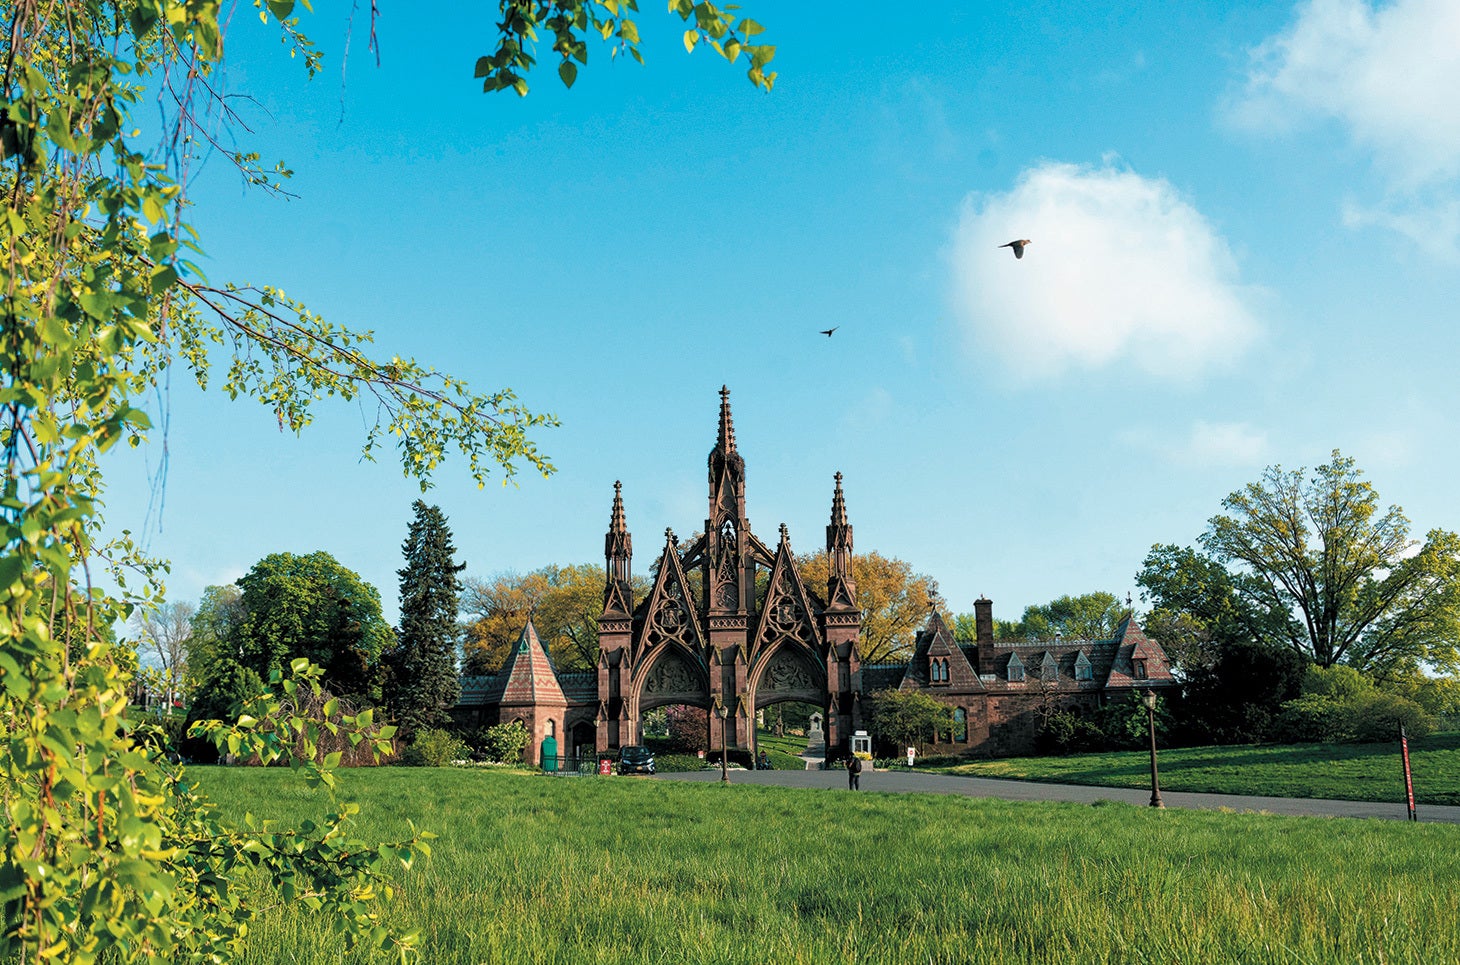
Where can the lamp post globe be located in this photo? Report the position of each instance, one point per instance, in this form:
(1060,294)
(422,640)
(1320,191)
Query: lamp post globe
(1149,699)
(723,712)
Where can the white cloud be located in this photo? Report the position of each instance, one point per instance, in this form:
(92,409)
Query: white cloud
(1213,444)
(1121,269)
(1389,75)
(1206,445)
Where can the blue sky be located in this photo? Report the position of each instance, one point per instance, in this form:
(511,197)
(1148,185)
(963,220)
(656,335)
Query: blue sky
(1244,216)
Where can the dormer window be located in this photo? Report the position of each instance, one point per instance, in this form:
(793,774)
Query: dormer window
(1016,669)
(1049,669)
(1138,669)
(938,671)
(1083,670)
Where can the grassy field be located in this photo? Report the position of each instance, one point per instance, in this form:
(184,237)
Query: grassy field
(1348,772)
(536,869)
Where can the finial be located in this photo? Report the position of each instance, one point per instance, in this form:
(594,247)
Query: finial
(838,504)
(726,441)
(785,534)
(669,535)
(616,522)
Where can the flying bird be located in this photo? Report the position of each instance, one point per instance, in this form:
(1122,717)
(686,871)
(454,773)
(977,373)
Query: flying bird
(827,331)
(1018,246)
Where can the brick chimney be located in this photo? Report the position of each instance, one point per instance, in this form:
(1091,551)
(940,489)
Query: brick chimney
(983,622)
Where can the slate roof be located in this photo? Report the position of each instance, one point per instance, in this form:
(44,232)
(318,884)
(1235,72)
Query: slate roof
(1111,662)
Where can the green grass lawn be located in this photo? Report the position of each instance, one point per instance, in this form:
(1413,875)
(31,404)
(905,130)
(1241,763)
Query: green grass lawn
(1349,772)
(536,869)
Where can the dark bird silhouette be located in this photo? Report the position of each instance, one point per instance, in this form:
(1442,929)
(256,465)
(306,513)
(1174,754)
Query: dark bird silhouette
(1018,246)
(827,331)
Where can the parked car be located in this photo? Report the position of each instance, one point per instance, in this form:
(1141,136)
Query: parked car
(636,759)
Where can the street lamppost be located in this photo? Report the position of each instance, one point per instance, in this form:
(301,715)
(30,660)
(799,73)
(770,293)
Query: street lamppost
(1150,701)
(723,712)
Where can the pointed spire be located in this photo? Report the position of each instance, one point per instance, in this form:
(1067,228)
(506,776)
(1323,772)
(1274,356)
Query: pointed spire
(616,522)
(726,442)
(838,504)
(841,586)
(618,551)
(785,534)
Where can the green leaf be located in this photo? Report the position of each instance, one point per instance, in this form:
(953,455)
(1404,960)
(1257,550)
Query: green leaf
(281,8)
(568,71)
(691,37)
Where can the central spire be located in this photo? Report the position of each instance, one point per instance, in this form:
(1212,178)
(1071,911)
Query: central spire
(616,523)
(838,504)
(727,427)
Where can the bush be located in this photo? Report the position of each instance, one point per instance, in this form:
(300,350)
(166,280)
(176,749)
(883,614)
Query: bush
(505,743)
(1341,706)
(669,763)
(1066,732)
(433,748)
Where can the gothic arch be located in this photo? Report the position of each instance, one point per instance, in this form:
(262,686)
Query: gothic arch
(671,674)
(788,670)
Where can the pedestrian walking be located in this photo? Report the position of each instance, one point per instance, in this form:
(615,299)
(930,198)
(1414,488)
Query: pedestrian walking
(854,773)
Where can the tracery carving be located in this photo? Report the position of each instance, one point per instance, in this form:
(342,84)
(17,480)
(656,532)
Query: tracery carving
(786,674)
(671,675)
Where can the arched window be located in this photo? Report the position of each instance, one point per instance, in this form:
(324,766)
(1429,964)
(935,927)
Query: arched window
(552,728)
(1140,673)
(960,725)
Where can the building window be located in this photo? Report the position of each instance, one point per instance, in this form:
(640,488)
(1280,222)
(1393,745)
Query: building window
(960,725)
(1140,669)
(1016,668)
(1083,671)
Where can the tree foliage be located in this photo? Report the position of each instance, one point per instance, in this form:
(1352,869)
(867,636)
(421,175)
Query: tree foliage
(572,22)
(164,629)
(895,602)
(563,601)
(908,717)
(107,850)
(1089,616)
(422,684)
(311,606)
(1198,606)
(1361,591)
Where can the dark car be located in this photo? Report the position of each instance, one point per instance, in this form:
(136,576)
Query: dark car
(636,759)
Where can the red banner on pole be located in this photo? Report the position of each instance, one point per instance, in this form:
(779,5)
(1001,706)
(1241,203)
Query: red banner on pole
(1408,777)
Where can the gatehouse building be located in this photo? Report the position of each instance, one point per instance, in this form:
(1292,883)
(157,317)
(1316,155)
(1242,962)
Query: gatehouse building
(730,626)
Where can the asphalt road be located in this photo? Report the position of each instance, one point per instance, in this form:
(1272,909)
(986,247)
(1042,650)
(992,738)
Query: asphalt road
(912,782)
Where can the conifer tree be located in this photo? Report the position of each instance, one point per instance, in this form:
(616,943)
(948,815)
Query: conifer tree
(422,686)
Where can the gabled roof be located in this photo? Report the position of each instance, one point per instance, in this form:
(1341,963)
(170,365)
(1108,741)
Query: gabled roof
(671,590)
(528,676)
(785,585)
(935,640)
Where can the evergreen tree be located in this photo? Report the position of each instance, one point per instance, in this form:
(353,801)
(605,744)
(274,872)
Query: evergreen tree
(422,685)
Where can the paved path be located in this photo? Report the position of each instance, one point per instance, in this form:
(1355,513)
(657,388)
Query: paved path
(912,782)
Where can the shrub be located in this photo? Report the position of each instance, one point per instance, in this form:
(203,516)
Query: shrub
(506,742)
(1339,705)
(1066,732)
(433,748)
(669,763)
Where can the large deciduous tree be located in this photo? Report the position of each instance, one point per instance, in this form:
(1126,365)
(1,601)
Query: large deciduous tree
(1361,591)
(165,628)
(1089,616)
(1197,606)
(895,602)
(563,601)
(312,606)
(105,853)
(908,717)
(421,683)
